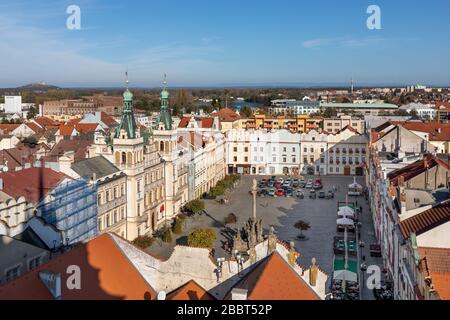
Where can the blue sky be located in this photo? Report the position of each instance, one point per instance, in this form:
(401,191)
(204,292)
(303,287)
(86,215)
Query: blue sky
(201,42)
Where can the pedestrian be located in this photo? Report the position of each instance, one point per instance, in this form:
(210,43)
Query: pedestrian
(360,209)
(213,252)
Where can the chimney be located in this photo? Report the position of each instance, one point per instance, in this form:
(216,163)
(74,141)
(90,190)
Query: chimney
(52,281)
(239,294)
(94,177)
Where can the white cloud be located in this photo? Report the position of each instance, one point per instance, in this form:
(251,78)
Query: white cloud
(341,42)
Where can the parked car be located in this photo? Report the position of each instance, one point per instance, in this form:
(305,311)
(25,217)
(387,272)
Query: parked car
(280,192)
(309,185)
(281,180)
(264,180)
(289,192)
(322,195)
(300,194)
(286,183)
(271,193)
(262,193)
(271,183)
(278,185)
(330,194)
(302,184)
(295,183)
(317,184)
(312,194)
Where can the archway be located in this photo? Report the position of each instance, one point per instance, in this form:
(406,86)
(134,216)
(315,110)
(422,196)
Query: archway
(124,158)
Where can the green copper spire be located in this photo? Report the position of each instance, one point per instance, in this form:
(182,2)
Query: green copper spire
(127,122)
(164,113)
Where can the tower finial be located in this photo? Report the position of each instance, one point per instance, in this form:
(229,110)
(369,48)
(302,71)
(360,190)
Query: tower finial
(165,81)
(126,78)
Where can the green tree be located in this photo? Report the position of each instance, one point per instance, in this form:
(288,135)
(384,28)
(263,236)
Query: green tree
(143,242)
(32,113)
(178,224)
(195,206)
(302,226)
(202,238)
(246,111)
(167,235)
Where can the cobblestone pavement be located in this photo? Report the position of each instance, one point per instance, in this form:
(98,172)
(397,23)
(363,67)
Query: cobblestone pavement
(282,213)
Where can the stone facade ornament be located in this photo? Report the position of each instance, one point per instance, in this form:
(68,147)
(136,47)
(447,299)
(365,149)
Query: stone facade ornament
(292,255)
(313,272)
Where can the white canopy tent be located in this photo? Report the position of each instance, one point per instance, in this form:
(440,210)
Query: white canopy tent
(345,275)
(345,222)
(346,211)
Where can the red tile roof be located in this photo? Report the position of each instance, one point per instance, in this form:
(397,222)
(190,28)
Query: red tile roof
(226,115)
(77,145)
(85,128)
(66,130)
(46,122)
(100,279)
(426,220)
(416,168)
(274,279)
(33,126)
(436,264)
(107,119)
(203,122)
(190,291)
(33,183)
(437,131)
(8,128)
(442,105)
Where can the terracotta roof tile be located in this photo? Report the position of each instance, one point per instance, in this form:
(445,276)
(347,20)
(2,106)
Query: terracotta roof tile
(414,169)
(274,279)
(437,131)
(426,220)
(39,181)
(100,279)
(436,262)
(79,146)
(226,115)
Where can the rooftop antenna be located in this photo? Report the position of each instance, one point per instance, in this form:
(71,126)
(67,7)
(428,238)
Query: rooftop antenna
(126,78)
(352,84)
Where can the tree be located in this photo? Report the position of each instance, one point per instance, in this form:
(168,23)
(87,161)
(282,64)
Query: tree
(143,242)
(178,225)
(231,219)
(302,226)
(246,111)
(32,113)
(167,235)
(194,206)
(202,238)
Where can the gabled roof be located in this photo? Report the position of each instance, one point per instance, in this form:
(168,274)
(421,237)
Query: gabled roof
(436,264)
(202,122)
(8,128)
(350,128)
(226,115)
(414,169)
(45,122)
(426,220)
(79,146)
(443,105)
(190,291)
(98,165)
(106,273)
(274,279)
(436,131)
(33,126)
(33,183)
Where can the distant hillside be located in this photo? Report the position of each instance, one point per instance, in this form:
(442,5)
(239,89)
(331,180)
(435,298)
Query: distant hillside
(37,87)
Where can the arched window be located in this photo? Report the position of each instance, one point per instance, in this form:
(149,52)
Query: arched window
(124,157)
(161,146)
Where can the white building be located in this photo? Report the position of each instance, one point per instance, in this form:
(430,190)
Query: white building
(13,104)
(425,111)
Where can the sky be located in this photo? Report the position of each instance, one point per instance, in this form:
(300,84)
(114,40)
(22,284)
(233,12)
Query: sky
(224,43)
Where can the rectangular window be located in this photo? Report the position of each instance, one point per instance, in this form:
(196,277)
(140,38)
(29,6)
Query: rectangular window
(34,263)
(99,224)
(235,149)
(13,273)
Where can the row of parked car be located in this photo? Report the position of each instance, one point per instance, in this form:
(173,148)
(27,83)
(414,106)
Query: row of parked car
(290,187)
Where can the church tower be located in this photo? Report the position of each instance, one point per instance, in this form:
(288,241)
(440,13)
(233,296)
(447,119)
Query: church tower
(128,155)
(165,142)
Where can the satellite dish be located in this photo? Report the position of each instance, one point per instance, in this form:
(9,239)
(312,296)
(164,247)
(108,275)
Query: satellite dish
(5,169)
(161,295)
